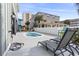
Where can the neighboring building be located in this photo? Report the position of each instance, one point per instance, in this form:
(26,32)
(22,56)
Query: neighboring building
(61,24)
(49,20)
(27,17)
(8,24)
(74,22)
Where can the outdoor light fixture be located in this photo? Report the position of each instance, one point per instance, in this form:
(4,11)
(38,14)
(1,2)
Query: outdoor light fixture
(13,15)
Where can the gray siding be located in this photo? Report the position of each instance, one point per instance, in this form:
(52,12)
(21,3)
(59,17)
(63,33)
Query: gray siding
(0,30)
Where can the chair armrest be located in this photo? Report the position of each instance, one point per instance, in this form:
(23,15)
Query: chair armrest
(55,40)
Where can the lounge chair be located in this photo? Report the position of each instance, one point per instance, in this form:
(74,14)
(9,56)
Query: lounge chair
(59,44)
(75,45)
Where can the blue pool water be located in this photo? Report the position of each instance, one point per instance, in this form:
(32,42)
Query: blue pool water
(33,34)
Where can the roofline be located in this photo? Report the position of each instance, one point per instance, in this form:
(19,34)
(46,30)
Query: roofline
(48,14)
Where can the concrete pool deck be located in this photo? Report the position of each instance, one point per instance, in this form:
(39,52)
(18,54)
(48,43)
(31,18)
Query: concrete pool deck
(30,47)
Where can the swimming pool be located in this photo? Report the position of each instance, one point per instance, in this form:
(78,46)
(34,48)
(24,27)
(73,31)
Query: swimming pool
(33,34)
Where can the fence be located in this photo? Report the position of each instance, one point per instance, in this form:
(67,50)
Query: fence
(49,30)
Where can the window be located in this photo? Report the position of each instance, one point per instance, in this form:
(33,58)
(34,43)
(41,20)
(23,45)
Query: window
(44,20)
(53,25)
(42,25)
(56,21)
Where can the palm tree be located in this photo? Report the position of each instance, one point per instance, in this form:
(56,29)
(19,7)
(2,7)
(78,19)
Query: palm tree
(27,24)
(67,22)
(37,20)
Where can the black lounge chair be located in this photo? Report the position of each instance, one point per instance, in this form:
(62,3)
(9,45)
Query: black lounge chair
(55,45)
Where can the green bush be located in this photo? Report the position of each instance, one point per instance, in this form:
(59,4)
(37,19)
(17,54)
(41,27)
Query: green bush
(27,24)
(76,38)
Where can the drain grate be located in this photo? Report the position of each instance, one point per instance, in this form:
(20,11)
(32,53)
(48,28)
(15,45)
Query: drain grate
(15,46)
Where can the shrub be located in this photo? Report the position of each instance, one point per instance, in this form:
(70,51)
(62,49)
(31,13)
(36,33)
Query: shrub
(76,38)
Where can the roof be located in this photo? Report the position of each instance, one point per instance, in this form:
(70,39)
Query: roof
(77,19)
(46,14)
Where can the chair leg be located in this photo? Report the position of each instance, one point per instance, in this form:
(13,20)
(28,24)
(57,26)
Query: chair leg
(55,54)
(71,50)
(61,52)
(75,49)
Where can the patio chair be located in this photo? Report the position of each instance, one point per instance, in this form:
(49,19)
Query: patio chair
(54,45)
(73,43)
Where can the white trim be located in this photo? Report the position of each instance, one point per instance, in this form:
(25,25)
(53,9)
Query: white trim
(7,49)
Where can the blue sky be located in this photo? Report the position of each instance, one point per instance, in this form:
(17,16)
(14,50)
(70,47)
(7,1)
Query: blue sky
(64,10)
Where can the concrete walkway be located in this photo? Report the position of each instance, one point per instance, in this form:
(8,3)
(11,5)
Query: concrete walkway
(30,47)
